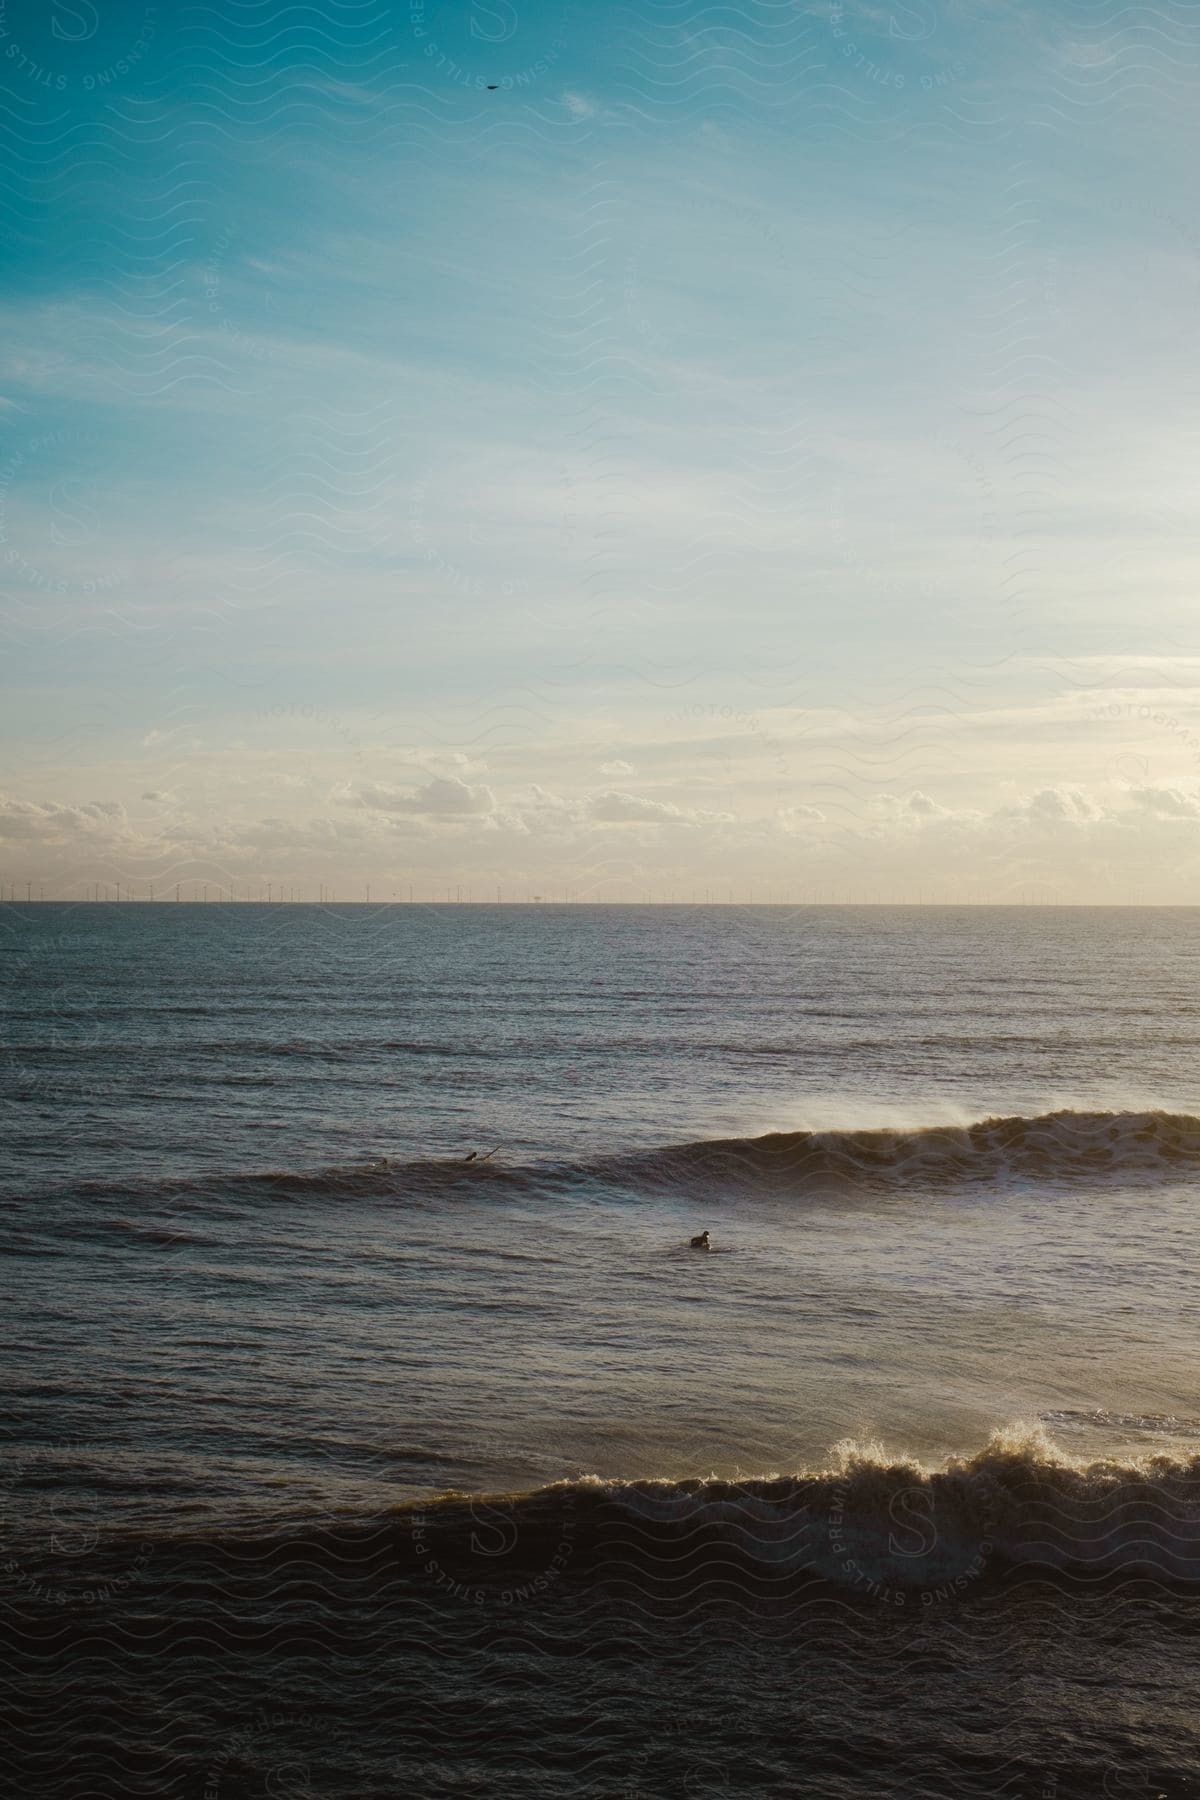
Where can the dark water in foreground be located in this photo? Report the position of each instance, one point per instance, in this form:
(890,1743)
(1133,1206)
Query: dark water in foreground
(896,1492)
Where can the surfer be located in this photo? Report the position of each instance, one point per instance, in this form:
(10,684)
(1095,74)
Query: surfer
(475,1154)
(701,1242)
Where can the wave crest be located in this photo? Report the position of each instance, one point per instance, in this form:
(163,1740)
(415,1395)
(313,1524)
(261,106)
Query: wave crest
(872,1522)
(1061,1145)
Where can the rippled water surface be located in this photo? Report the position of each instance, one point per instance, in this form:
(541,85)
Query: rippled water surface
(262,1314)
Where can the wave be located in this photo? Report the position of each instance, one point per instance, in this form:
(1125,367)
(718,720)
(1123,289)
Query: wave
(1064,1146)
(873,1522)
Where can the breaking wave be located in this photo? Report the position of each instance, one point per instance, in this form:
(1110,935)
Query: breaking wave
(873,1527)
(872,1521)
(1065,1146)
(1062,1145)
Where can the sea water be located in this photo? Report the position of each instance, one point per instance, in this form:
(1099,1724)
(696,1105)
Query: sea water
(277,1351)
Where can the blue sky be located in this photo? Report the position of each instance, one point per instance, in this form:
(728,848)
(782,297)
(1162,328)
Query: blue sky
(750,449)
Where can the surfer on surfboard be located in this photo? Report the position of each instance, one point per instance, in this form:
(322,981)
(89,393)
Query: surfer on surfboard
(701,1242)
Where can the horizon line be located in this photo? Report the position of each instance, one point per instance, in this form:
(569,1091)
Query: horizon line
(544,904)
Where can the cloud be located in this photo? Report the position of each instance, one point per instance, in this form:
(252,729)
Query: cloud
(922,804)
(317,834)
(617,767)
(441,762)
(1052,806)
(537,809)
(1061,804)
(445,797)
(1171,803)
(1064,841)
(46,822)
(916,806)
(616,808)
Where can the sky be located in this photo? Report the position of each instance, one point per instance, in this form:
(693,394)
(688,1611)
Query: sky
(599,451)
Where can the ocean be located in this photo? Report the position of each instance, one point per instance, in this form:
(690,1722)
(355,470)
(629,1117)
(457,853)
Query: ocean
(337,1464)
